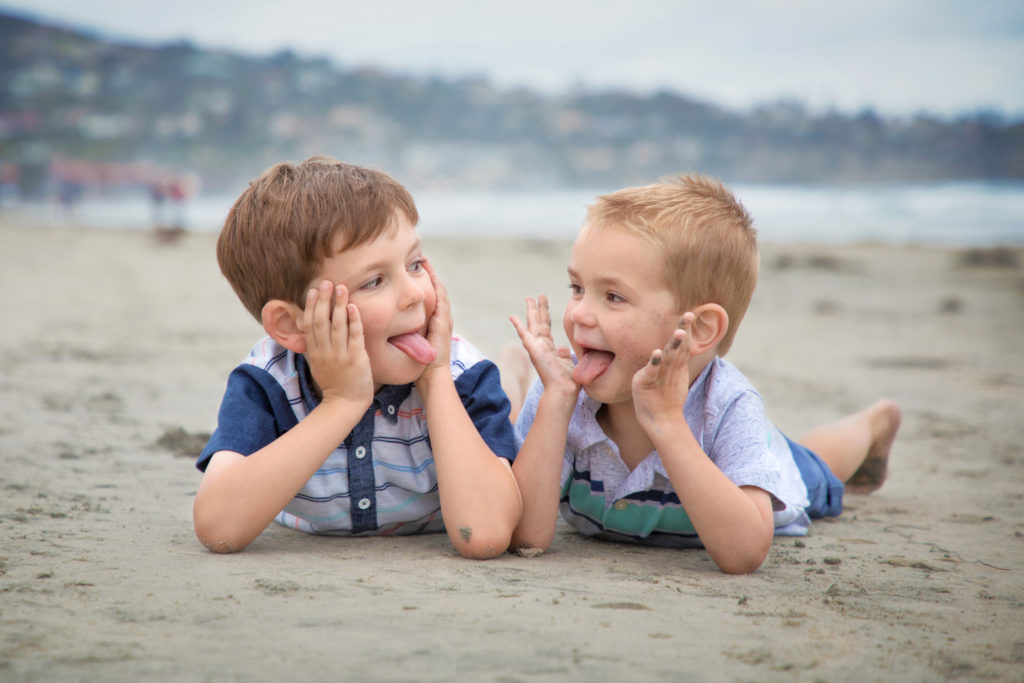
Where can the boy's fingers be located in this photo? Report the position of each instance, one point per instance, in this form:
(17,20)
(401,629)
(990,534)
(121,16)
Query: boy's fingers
(434,279)
(531,314)
(355,327)
(544,313)
(339,317)
(323,311)
(320,313)
(518,324)
(307,314)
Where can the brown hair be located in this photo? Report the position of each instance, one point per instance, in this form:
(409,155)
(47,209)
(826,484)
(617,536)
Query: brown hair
(290,219)
(702,231)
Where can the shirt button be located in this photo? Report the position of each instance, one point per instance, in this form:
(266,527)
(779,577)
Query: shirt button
(364,503)
(621,504)
(361,452)
(391,410)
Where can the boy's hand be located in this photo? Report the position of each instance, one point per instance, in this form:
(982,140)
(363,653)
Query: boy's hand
(335,347)
(553,364)
(439,327)
(660,387)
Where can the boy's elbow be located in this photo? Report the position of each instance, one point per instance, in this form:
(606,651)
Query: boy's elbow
(481,544)
(216,538)
(531,544)
(741,565)
(742,560)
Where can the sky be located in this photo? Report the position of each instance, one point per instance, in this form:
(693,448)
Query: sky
(898,57)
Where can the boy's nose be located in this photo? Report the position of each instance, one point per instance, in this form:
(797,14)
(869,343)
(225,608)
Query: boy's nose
(411,292)
(581,314)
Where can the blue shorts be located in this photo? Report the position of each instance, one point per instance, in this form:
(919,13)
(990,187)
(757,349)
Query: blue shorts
(824,490)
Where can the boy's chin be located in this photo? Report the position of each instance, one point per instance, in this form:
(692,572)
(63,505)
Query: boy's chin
(406,372)
(608,392)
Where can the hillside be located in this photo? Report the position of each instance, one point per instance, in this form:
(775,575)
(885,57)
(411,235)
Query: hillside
(68,94)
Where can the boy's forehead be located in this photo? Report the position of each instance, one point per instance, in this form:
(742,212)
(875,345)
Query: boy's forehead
(590,236)
(593,233)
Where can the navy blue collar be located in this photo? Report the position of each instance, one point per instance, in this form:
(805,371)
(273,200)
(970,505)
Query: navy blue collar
(390,397)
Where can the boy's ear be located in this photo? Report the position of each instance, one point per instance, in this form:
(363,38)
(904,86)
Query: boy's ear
(710,324)
(281,320)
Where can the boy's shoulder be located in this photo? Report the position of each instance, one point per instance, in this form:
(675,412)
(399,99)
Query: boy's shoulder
(268,355)
(717,391)
(721,380)
(463,356)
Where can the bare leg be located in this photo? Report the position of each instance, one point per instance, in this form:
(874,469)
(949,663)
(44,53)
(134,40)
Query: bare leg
(856,448)
(515,368)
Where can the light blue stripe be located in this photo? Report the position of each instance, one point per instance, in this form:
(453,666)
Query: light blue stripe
(377,463)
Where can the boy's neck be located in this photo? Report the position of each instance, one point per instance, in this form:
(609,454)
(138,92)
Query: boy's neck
(619,423)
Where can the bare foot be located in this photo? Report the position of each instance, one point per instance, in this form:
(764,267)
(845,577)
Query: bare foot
(515,368)
(885,422)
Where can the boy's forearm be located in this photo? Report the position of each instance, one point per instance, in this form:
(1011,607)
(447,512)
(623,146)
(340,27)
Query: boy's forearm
(237,499)
(538,470)
(479,497)
(734,524)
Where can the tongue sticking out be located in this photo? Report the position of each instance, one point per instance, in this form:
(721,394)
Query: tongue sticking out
(415,346)
(592,364)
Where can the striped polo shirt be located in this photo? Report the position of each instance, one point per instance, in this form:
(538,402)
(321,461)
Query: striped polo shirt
(381,479)
(602,497)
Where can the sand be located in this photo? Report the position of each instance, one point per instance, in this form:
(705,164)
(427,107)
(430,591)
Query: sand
(115,350)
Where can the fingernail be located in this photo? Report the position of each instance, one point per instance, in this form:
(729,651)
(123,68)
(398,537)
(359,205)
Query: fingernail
(676,343)
(655,360)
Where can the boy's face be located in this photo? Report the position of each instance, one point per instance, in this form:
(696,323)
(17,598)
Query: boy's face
(620,309)
(387,282)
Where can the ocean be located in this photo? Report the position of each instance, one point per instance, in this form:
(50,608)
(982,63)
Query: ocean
(941,214)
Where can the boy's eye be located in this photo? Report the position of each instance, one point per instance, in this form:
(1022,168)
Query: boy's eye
(372,283)
(614,298)
(575,288)
(416,266)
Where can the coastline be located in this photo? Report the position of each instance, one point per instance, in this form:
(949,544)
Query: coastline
(115,353)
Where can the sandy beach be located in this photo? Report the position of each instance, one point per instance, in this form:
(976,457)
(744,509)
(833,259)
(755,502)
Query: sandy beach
(115,350)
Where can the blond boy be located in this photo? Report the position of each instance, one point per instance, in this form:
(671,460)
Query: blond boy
(359,413)
(644,432)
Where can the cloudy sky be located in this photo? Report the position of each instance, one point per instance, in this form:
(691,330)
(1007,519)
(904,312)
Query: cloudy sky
(897,56)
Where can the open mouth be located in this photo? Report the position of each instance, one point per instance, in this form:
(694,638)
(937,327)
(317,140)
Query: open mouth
(591,364)
(414,345)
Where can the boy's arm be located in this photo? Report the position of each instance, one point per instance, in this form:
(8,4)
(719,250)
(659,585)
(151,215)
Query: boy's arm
(538,466)
(734,523)
(480,500)
(240,495)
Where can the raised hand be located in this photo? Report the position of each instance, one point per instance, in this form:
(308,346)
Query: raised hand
(661,386)
(335,348)
(553,364)
(440,325)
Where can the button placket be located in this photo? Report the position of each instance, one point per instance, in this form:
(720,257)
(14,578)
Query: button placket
(361,481)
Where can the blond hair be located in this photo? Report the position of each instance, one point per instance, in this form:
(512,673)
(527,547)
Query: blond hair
(294,216)
(704,234)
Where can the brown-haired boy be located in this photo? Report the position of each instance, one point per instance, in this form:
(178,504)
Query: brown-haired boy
(359,413)
(650,436)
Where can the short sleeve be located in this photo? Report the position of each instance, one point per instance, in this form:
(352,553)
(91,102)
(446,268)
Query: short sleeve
(741,447)
(488,407)
(253,413)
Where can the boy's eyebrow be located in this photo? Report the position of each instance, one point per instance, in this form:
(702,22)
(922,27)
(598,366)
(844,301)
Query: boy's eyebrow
(602,280)
(374,265)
